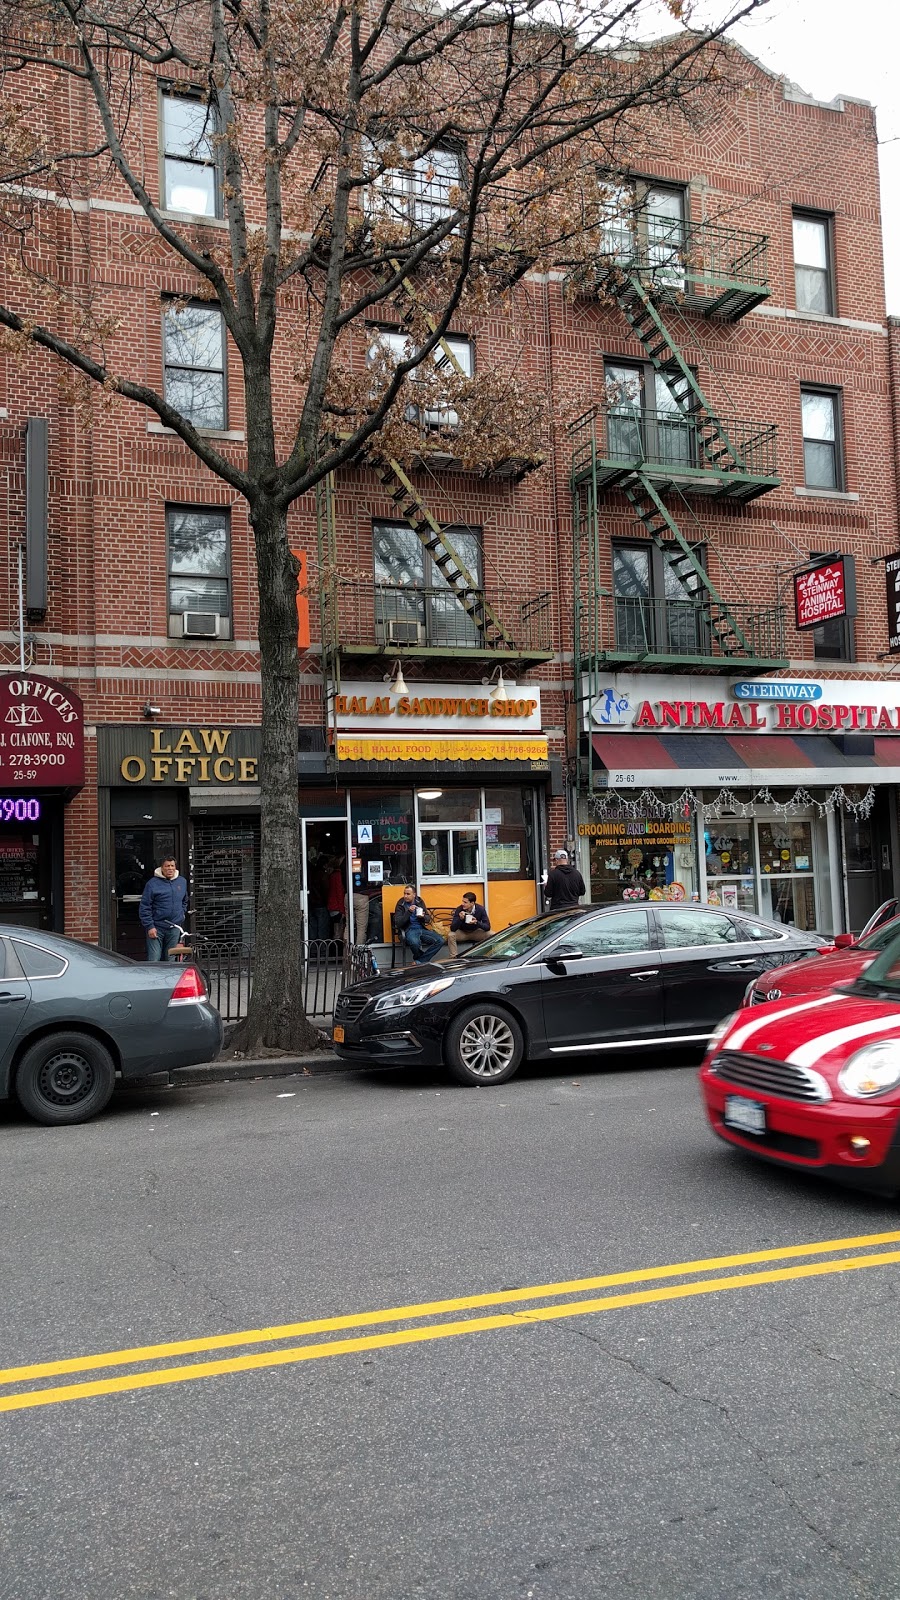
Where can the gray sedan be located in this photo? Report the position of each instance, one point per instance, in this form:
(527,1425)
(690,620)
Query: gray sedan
(73,1016)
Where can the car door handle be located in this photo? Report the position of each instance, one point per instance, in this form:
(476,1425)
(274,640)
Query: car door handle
(9,999)
(654,973)
(734,965)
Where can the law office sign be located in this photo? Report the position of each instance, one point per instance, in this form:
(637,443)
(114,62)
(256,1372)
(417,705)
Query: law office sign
(820,594)
(41,734)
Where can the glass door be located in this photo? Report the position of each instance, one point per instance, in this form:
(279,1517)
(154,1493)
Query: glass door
(787,889)
(137,853)
(730,847)
(324,893)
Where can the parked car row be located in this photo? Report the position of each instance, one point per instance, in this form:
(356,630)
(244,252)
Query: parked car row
(803,1068)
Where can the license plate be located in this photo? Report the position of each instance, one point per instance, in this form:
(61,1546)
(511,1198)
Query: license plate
(338,1034)
(747,1116)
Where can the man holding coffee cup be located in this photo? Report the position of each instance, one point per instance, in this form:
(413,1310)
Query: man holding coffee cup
(413,920)
(470,924)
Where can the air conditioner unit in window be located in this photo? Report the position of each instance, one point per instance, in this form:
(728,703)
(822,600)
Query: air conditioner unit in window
(402,630)
(203,625)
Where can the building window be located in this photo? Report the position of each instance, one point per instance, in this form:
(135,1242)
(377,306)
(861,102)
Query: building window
(398,347)
(418,193)
(199,573)
(190,166)
(643,419)
(822,463)
(813,276)
(645,224)
(414,603)
(194,354)
(657,610)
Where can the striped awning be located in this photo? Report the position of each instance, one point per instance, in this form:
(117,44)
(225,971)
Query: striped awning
(685,760)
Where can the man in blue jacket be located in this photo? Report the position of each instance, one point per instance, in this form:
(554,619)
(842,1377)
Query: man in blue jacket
(163,909)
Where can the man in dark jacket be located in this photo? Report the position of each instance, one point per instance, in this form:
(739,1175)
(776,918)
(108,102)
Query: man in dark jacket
(163,909)
(564,884)
(470,924)
(411,919)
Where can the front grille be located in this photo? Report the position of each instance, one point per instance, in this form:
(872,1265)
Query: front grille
(349,1006)
(772,1077)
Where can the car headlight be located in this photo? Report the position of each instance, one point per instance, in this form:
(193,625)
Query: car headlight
(718,1034)
(872,1070)
(400,999)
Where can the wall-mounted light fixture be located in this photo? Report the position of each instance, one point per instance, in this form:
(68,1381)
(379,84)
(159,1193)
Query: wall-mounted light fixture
(150,711)
(498,692)
(396,679)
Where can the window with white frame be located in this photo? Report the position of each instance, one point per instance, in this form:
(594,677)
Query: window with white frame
(813,275)
(460,359)
(414,604)
(822,460)
(199,571)
(191,180)
(194,357)
(420,192)
(646,222)
(450,835)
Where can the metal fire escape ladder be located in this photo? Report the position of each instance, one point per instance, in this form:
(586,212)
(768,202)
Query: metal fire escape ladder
(443,553)
(440,548)
(664,530)
(666,359)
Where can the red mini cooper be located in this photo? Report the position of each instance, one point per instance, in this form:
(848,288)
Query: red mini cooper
(813,1083)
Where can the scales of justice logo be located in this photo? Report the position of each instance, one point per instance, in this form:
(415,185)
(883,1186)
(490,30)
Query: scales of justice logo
(23,716)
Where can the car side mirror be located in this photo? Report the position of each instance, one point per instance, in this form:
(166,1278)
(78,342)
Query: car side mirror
(563,953)
(844,941)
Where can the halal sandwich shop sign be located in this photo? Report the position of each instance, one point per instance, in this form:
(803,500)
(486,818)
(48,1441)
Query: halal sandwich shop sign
(758,705)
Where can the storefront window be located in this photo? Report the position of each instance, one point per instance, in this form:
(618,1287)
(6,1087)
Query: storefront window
(730,864)
(509,833)
(383,835)
(641,858)
(447,850)
(786,872)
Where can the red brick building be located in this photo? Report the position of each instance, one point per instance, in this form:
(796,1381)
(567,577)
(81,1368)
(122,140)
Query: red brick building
(723,406)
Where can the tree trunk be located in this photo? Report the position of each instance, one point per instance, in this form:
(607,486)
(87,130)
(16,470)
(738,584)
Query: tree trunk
(276,1019)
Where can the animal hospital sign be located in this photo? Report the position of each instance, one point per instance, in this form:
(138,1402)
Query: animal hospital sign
(760,706)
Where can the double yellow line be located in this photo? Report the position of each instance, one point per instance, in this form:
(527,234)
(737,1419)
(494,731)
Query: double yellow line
(430,1320)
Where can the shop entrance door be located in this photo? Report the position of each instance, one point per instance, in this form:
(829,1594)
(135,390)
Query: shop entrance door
(25,894)
(323,878)
(137,852)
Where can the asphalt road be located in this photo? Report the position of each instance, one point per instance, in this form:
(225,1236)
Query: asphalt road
(678,1441)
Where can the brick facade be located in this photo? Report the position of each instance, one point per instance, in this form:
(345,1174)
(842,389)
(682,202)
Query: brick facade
(746,165)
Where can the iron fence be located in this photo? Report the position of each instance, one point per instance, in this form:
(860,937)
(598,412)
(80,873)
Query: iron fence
(327,967)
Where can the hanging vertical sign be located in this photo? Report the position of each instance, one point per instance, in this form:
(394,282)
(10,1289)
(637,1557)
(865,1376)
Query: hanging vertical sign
(892,577)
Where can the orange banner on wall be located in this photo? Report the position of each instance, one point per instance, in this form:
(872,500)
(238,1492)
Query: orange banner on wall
(388,749)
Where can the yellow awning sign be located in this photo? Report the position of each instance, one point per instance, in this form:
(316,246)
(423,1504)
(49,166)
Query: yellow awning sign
(389,749)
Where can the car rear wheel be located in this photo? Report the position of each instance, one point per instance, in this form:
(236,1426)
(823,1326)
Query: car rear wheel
(65,1078)
(484,1044)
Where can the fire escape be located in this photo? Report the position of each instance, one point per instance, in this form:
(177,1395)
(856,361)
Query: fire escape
(659,457)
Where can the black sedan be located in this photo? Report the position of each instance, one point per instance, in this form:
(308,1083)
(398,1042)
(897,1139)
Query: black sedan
(599,978)
(73,1016)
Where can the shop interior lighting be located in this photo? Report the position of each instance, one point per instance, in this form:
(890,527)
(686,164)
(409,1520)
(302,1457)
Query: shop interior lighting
(430,794)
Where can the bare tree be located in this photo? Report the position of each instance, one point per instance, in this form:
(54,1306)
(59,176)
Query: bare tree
(411,154)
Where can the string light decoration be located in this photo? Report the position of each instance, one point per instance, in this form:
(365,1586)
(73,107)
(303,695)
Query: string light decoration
(649,803)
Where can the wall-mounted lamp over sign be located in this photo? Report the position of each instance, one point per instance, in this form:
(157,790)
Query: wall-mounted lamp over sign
(396,679)
(498,692)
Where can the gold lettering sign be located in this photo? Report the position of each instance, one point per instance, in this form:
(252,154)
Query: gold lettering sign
(191,756)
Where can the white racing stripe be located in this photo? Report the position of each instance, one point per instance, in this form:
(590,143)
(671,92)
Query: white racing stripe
(737,1039)
(806,1054)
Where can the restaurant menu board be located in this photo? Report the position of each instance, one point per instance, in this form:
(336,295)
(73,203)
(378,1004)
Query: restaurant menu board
(41,734)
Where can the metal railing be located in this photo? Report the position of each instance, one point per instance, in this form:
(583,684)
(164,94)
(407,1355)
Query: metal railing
(642,626)
(676,253)
(397,617)
(632,435)
(327,967)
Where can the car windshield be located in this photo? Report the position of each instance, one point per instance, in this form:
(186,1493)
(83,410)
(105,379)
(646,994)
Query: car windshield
(884,971)
(882,936)
(521,939)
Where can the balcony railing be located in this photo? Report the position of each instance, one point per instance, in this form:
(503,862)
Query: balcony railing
(669,444)
(403,619)
(720,271)
(644,629)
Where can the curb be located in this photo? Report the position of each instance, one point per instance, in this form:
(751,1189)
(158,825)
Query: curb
(316,1064)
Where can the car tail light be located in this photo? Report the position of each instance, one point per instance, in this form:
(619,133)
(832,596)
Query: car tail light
(189,990)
